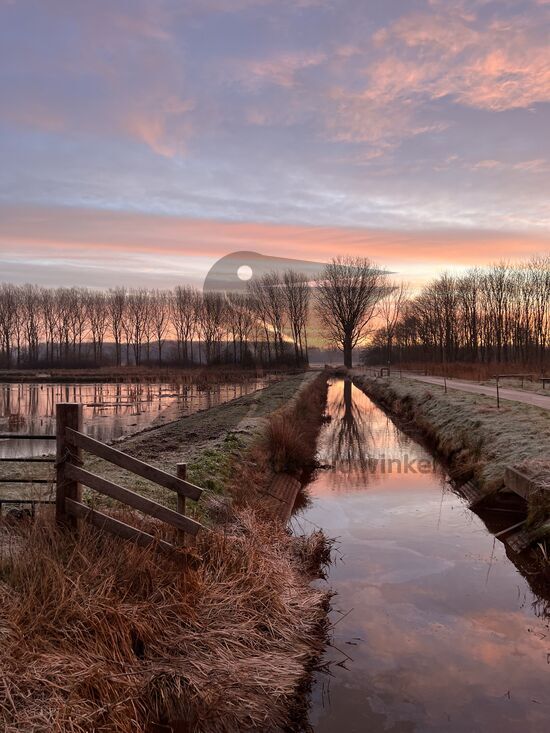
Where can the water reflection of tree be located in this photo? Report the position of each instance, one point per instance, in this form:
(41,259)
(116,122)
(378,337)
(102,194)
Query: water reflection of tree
(349,439)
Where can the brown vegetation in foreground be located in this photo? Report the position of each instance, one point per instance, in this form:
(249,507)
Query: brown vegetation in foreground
(100,635)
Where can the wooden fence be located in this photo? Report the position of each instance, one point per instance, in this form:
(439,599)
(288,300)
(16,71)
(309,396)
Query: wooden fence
(70,476)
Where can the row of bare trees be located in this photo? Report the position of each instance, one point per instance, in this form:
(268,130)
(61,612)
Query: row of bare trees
(77,326)
(499,314)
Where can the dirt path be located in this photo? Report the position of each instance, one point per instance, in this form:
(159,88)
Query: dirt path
(516,395)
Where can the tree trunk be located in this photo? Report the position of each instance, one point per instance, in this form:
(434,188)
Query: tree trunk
(348,353)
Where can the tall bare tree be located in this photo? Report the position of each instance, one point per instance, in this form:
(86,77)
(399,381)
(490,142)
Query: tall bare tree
(296,292)
(349,290)
(391,310)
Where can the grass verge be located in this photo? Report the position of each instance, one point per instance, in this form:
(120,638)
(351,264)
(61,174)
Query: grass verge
(477,439)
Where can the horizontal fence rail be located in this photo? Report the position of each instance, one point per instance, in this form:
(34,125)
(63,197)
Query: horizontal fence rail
(25,502)
(70,476)
(27,460)
(78,510)
(123,460)
(26,436)
(26,480)
(133,499)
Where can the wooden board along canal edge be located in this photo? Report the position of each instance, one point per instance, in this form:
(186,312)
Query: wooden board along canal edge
(283,491)
(517,537)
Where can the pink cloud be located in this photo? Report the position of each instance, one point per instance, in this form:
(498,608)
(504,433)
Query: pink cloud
(281,70)
(59,235)
(497,65)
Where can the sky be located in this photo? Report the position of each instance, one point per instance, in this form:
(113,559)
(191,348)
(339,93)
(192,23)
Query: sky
(141,141)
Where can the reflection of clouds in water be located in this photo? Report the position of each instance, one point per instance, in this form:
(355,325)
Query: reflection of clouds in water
(111,410)
(360,443)
(442,627)
(453,669)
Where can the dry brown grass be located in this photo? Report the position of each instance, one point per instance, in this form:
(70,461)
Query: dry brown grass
(287,445)
(473,372)
(291,435)
(100,635)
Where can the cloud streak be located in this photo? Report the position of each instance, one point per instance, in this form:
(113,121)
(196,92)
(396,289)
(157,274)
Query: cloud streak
(424,115)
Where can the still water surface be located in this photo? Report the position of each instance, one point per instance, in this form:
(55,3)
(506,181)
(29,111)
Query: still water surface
(441,630)
(111,410)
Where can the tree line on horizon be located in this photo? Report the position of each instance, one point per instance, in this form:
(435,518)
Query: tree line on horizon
(498,314)
(72,327)
(494,315)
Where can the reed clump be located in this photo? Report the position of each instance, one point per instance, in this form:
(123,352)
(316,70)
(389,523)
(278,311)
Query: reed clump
(287,444)
(291,434)
(99,635)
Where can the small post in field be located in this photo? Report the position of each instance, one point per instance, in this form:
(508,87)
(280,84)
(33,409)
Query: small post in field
(68,415)
(181,472)
(498,394)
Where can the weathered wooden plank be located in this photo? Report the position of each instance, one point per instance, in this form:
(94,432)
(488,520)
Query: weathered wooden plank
(521,484)
(68,415)
(520,541)
(472,493)
(27,480)
(129,463)
(28,460)
(509,529)
(131,498)
(115,526)
(181,471)
(284,490)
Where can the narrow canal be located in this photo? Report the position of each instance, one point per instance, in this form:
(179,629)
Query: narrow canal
(434,628)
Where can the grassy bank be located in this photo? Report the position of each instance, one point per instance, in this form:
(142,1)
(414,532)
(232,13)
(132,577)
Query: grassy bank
(99,635)
(477,440)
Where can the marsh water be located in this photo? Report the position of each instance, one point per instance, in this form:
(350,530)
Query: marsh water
(434,627)
(110,410)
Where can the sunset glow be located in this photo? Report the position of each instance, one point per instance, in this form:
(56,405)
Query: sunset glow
(157,137)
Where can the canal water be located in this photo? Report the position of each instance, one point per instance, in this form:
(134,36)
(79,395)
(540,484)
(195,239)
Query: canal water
(434,628)
(110,410)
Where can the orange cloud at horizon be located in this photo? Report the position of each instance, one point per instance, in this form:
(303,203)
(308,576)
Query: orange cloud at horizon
(78,236)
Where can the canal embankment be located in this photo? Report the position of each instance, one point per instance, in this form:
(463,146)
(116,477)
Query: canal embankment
(479,442)
(434,629)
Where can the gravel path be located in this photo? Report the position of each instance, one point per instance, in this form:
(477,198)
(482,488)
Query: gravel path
(516,395)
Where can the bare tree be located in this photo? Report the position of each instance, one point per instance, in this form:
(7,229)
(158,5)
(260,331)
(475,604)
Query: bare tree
(116,307)
(184,305)
(348,292)
(98,317)
(160,314)
(296,292)
(137,314)
(8,305)
(212,318)
(391,310)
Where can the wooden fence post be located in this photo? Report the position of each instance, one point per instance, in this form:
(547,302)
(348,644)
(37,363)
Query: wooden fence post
(68,415)
(181,472)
